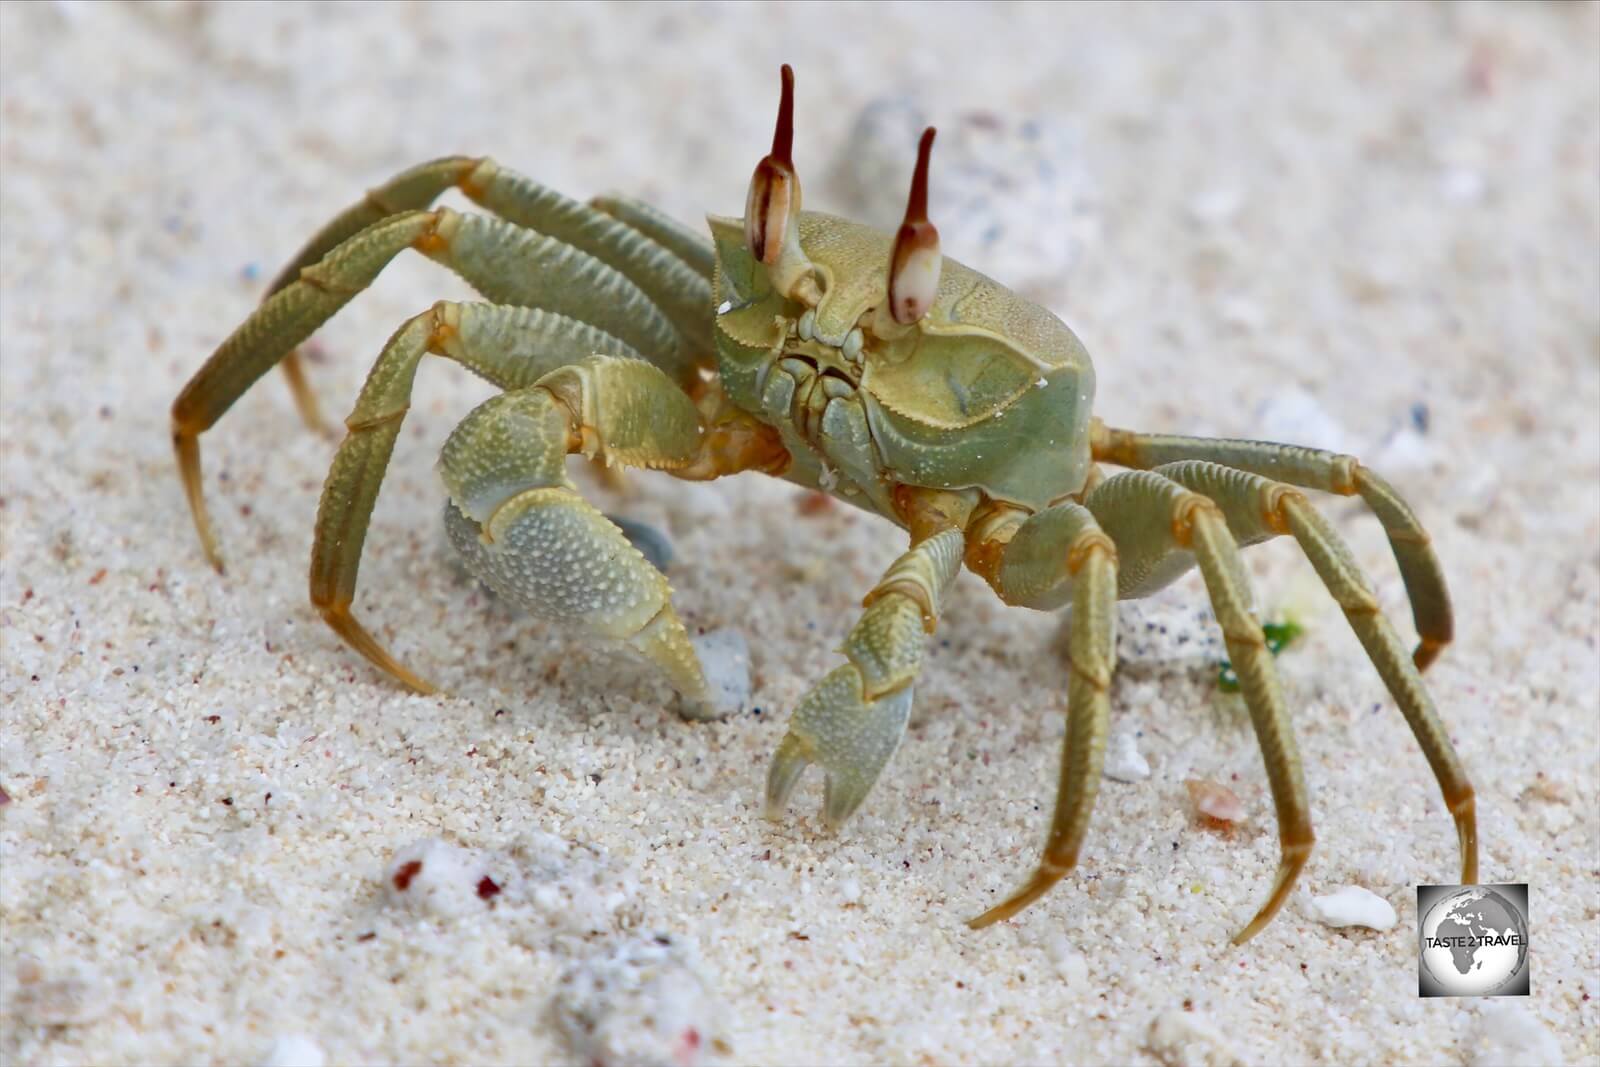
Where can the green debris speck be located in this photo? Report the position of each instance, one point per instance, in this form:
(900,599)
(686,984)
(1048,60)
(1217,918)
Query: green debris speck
(1279,636)
(1227,680)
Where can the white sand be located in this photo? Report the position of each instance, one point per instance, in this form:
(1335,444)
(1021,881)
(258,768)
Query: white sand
(1379,206)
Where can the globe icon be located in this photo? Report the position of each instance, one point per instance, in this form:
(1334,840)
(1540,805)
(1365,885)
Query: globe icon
(1474,942)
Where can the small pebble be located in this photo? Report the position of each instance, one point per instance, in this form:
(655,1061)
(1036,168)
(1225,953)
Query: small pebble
(1353,906)
(1405,449)
(691,505)
(1509,1035)
(651,542)
(1214,801)
(1295,417)
(294,1050)
(1462,186)
(1185,1037)
(1123,761)
(1217,205)
(725,659)
(1420,416)
(1070,964)
(435,878)
(573,887)
(73,1000)
(640,1004)
(1011,196)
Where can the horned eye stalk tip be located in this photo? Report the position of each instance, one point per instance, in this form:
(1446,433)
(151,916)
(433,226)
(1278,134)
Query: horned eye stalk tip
(783,134)
(774,197)
(915,263)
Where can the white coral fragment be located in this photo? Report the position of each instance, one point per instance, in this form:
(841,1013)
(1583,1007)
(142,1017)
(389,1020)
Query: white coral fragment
(435,878)
(294,1050)
(725,660)
(642,1003)
(1509,1035)
(1353,906)
(1188,1037)
(1123,761)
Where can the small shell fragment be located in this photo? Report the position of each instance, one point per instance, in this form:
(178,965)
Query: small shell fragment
(725,659)
(294,1050)
(1214,801)
(1509,1035)
(1123,761)
(1353,906)
(76,998)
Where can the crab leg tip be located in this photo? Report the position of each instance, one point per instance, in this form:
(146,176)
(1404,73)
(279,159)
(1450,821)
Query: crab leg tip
(187,446)
(337,615)
(1037,885)
(1294,858)
(1466,817)
(305,401)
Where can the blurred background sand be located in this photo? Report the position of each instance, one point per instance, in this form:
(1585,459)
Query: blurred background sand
(1369,227)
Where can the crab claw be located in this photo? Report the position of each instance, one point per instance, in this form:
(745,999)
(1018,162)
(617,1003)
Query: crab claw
(774,198)
(914,264)
(850,736)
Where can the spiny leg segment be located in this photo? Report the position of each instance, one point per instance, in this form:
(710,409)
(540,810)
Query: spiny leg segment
(1044,561)
(688,245)
(1257,509)
(545,251)
(411,190)
(512,347)
(1311,468)
(1159,527)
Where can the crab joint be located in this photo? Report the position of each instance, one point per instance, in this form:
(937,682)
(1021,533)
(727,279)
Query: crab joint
(914,264)
(772,207)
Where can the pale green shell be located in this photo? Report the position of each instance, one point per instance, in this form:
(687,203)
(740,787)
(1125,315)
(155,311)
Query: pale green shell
(990,391)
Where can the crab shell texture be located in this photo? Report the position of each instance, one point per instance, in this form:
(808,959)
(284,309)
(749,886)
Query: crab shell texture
(986,391)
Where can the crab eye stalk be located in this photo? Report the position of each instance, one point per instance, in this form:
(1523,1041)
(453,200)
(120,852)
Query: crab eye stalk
(914,264)
(774,198)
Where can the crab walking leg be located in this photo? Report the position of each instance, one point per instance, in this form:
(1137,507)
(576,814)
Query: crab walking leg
(1160,528)
(609,235)
(1329,472)
(1057,555)
(852,721)
(410,190)
(681,292)
(505,262)
(523,529)
(512,347)
(1258,509)
(691,246)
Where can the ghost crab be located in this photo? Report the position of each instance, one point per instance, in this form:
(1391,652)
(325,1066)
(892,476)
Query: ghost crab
(840,358)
